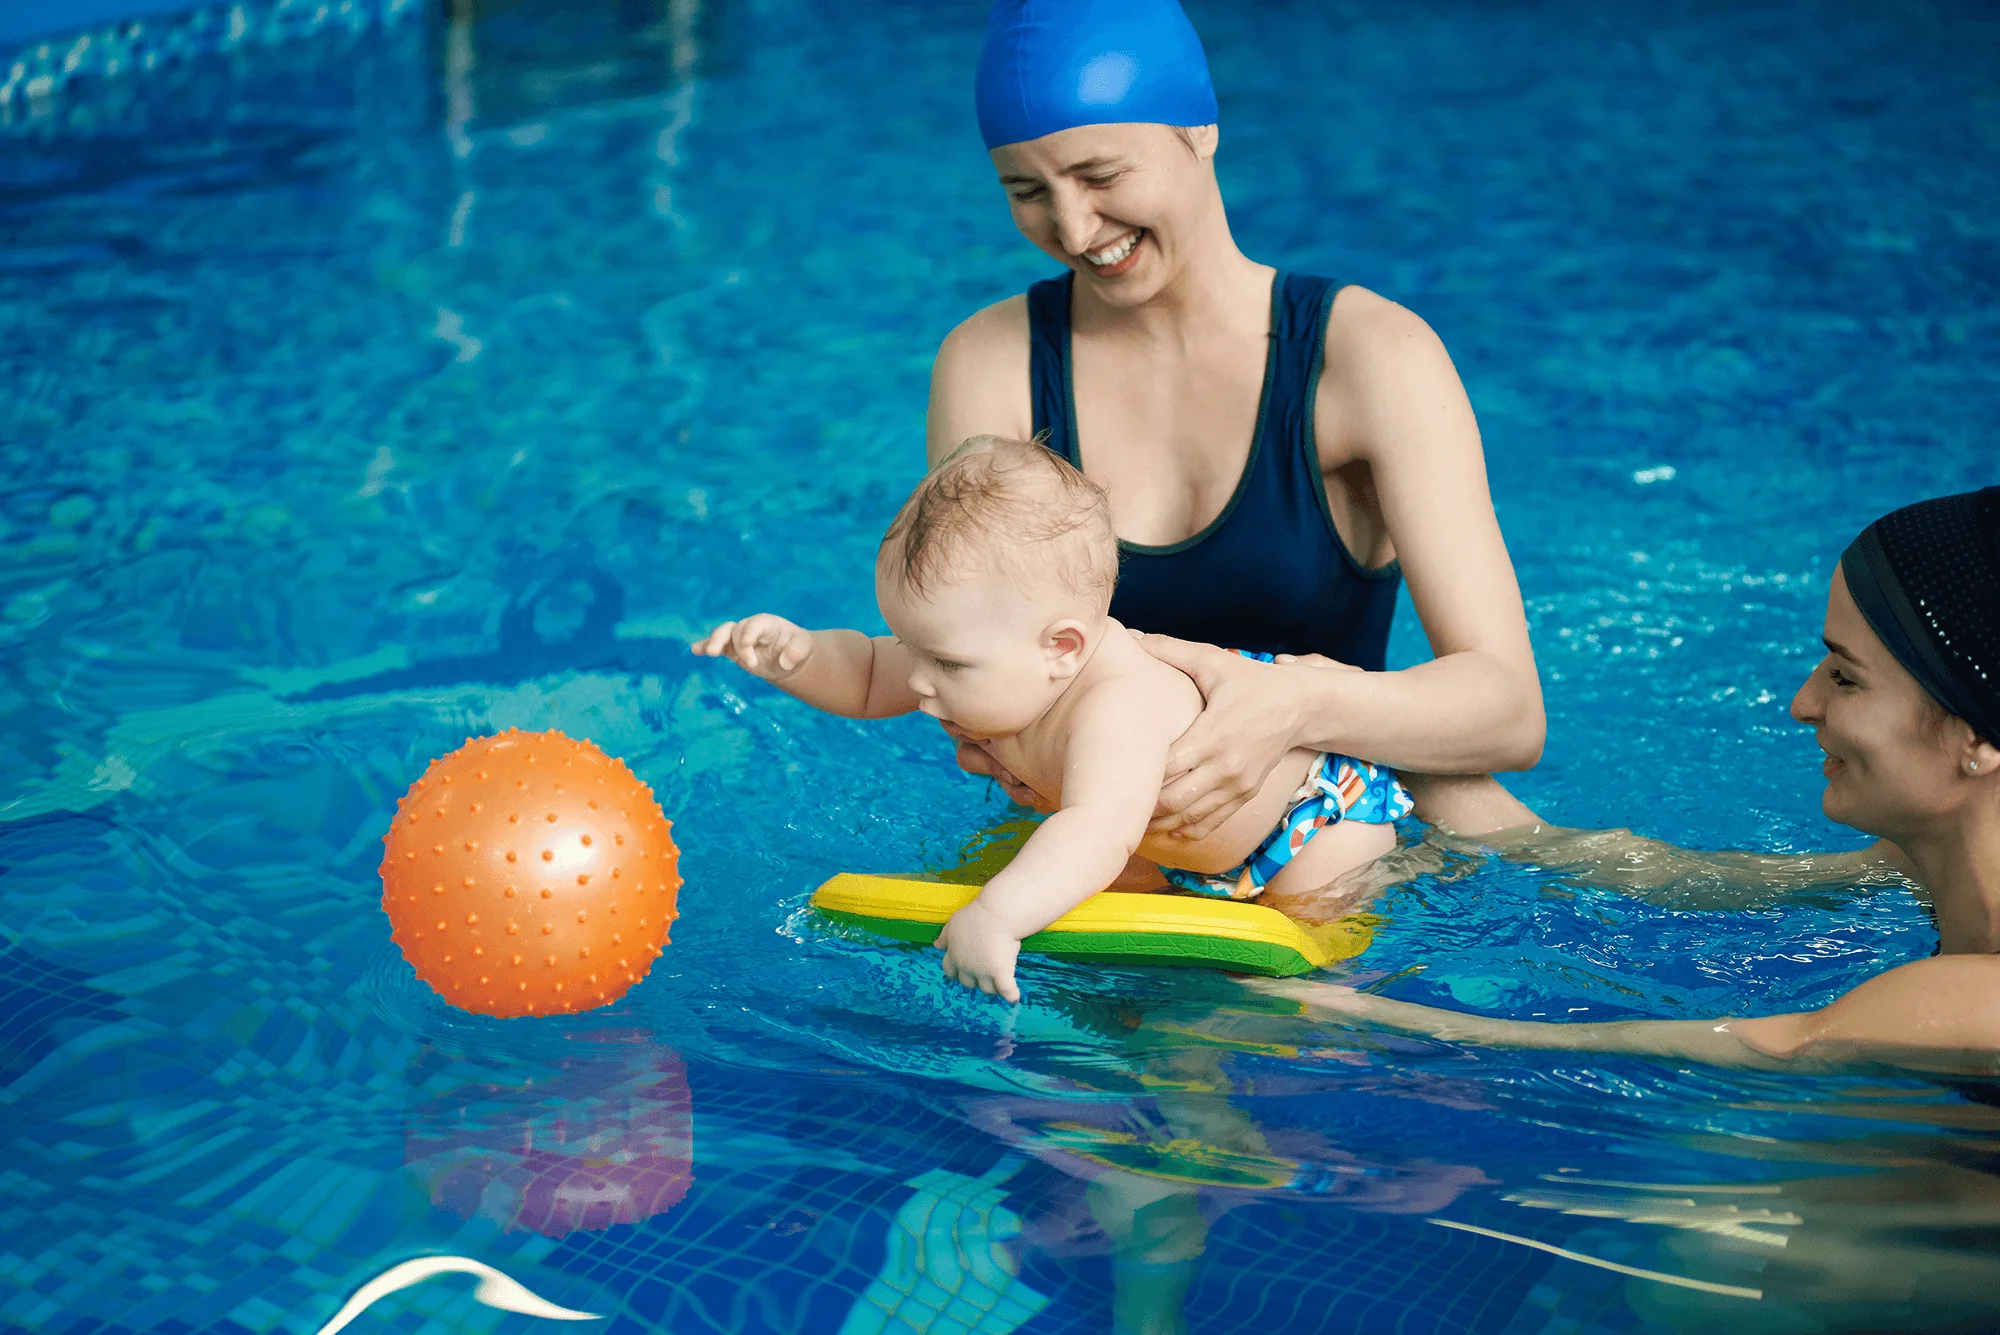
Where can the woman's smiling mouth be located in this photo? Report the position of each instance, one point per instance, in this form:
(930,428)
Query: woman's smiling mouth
(1118,257)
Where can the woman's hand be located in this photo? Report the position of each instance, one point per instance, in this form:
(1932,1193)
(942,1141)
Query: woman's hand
(976,759)
(1248,722)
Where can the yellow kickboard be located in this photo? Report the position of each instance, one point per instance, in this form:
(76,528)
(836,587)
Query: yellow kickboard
(1113,927)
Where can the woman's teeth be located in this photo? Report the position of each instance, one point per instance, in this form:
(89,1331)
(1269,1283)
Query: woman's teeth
(1112,254)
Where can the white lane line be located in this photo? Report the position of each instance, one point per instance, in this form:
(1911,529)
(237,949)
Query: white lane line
(1682,1281)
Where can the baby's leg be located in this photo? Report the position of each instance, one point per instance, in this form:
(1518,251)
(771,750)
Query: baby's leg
(1329,855)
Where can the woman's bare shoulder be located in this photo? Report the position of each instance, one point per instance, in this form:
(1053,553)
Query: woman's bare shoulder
(1941,1013)
(979,381)
(1389,392)
(1367,331)
(989,335)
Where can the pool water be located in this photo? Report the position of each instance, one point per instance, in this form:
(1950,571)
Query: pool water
(376,375)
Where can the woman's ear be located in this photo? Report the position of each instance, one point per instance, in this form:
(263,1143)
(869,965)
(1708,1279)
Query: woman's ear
(1978,758)
(1972,755)
(1067,644)
(1203,139)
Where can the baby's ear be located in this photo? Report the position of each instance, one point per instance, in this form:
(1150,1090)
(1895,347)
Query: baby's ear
(1066,642)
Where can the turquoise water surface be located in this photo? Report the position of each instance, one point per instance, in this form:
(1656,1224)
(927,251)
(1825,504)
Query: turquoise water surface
(376,374)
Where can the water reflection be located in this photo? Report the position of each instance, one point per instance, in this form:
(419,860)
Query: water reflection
(1161,1136)
(1908,1248)
(562,1150)
(1161,1144)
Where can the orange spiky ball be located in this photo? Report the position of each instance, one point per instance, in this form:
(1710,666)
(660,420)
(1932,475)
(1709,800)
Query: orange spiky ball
(529,874)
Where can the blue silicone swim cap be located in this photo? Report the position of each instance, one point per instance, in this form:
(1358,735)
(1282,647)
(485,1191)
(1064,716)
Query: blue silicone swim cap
(1056,64)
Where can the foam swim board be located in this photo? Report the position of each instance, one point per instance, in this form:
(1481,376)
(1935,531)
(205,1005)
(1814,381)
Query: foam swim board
(1111,927)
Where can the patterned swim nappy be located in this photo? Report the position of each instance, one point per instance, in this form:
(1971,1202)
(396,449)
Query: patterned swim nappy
(1336,788)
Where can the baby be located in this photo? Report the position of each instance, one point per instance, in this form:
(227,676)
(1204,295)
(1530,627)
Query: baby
(996,578)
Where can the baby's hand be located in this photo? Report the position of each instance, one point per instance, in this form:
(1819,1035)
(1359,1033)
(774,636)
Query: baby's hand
(980,952)
(767,645)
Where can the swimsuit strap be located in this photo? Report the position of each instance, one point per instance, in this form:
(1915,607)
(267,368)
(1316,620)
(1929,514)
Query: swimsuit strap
(1300,306)
(1048,364)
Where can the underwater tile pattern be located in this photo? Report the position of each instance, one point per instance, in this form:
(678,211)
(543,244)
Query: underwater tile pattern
(373,374)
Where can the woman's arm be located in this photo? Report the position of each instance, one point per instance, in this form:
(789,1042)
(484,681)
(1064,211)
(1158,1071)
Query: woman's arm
(1392,414)
(1254,713)
(1700,1040)
(1940,1014)
(1665,873)
(1473,813)
(1391,399)
(1937,1015)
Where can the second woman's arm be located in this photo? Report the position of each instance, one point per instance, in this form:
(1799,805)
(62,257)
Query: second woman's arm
(1940,1015)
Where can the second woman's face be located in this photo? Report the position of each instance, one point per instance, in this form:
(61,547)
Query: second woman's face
(1889,770)
(1119,204)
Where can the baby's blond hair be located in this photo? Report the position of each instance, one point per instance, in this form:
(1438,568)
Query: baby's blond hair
(1012,507)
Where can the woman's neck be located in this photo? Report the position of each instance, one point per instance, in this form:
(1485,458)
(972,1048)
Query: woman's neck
(1960,866)
(1217,282)
(1217,289)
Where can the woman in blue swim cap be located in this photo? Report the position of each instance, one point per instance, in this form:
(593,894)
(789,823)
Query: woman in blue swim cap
(1279,449)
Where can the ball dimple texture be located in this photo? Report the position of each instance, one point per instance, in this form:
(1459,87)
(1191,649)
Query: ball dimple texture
(603,879)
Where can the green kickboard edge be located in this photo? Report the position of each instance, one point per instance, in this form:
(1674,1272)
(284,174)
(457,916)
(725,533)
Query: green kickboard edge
(1141,948)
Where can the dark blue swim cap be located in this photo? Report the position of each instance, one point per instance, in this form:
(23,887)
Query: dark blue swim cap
(1056,64)
(1927,579)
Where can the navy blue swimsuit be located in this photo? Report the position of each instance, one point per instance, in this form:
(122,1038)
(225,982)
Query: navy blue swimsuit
(1271,574)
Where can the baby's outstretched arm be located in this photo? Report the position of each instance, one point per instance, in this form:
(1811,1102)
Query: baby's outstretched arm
(840,671)
(1113,756)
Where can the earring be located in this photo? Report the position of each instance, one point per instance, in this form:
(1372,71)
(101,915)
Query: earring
(1972,764)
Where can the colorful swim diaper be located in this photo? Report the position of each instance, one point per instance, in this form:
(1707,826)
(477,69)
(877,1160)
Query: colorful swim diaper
(1336,788)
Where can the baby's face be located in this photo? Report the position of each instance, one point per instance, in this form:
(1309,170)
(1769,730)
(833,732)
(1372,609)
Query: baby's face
(983,664)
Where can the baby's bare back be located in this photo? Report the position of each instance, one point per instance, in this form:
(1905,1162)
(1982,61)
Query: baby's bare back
(1039,754)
